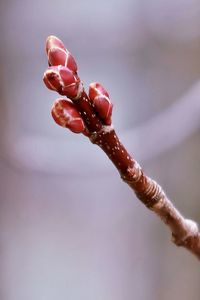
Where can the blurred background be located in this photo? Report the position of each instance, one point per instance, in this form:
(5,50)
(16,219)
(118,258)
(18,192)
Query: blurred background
(69,227)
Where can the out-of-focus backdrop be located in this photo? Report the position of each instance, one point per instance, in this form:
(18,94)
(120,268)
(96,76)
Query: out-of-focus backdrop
(69,227)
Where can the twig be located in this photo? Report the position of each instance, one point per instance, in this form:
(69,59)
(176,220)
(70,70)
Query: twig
(91,115)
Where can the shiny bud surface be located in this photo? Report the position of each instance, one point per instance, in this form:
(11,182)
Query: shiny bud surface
(63,80)
(66,115)
(100,98)
(58,54)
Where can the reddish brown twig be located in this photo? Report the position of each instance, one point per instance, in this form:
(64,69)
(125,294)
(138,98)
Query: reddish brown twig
(91,115)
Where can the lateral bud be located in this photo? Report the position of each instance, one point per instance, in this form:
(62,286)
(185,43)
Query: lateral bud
(64,81)
(100,98)
(66,115)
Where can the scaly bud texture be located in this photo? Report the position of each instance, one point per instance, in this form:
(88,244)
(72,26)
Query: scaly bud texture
(66,115)
(63,80)
(102,104)
(58,54)
(91,115)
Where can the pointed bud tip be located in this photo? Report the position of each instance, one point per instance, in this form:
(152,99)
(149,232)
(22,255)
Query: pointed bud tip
(52,41)
(58,54)
(96,89)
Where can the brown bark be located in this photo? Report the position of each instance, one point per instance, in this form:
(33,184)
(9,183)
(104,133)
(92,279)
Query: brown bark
(64,79)
(185,232)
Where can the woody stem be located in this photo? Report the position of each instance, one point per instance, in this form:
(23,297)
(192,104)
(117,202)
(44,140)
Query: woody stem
(185,232)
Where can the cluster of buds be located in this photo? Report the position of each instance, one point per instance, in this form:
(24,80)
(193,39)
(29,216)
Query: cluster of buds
(91,115)
(62,77)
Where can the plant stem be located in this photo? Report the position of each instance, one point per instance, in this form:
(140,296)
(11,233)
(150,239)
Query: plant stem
(95,111)
(185,232)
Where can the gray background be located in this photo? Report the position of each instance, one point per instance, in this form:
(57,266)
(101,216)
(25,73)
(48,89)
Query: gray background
(69,228)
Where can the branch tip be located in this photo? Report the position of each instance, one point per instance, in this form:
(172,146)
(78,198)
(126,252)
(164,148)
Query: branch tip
(91,115)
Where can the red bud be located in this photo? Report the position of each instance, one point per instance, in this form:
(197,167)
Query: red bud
(96,89)
(52,41)
(101,100)
(63,80)
(66,115)
(58,54)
